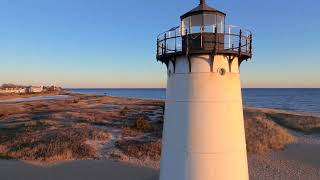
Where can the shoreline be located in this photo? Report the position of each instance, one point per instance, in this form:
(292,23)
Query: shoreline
(16,96)
(72,94)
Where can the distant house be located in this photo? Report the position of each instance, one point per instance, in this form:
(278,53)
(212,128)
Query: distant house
(16,90)
(22,90)
(36,89)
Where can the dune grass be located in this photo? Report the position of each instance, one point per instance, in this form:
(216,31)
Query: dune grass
(149,149)
(43,142)
(69,129)
(263,135)
(306,124)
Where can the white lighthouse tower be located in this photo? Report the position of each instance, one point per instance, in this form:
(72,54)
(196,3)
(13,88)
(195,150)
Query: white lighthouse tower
(204,137)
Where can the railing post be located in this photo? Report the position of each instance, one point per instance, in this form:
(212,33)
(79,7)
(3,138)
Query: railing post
(247,43)
(216,37)
(186,44)
(165,43)
(201,38)
(175,41)
(162,49)
(157,46)
(250,43)
(229,36)
(240,39)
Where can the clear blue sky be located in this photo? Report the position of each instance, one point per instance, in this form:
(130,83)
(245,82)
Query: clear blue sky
(104,43)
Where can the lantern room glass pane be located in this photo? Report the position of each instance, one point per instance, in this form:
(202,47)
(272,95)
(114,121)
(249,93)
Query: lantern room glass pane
(209,22)
(185,26)
(196,23)
(220,24)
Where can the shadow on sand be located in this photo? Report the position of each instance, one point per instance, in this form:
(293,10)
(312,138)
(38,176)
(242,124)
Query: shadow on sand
(75,170)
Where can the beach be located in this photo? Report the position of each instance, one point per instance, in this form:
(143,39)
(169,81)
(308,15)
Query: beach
(79,170)
(97,137)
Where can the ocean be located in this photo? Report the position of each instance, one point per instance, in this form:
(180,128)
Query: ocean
(297,100)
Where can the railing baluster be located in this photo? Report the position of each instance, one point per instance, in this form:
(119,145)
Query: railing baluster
(162,48)
(165,43)
(157,46)
(229,37)
(247,44)
(201,38)
(216,38)
(240,39)
(175,41)
(250,43)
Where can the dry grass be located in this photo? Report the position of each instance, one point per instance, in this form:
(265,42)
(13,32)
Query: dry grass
(306,124)
(124,111)
(263,135)
(141,149)
(301,122)
(64,129)
(129,132)
(9,109)
(60,129)
(41,142)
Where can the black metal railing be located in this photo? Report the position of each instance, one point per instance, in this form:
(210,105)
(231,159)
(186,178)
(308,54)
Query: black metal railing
(233,40)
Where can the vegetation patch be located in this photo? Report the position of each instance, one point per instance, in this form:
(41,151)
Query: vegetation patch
(44,143)
(306,124)
(263,135)
(129,132)
(141,149)
(143,124)
(124,111)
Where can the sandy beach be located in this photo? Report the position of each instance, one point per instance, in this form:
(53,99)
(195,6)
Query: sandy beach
(99,137)
(299,160)
(79,170)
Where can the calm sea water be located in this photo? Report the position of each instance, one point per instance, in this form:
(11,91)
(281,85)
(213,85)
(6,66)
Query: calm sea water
(299,100)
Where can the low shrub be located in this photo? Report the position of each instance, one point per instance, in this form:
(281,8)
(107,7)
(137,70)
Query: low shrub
(143,124)
(124,111)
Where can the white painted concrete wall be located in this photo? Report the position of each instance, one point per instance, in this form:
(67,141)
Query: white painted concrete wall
(204,136)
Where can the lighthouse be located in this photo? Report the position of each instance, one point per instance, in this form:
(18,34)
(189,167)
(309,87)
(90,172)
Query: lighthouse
(203,135)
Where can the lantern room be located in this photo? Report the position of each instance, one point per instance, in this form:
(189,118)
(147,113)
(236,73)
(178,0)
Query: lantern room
(203,31)
(203,19)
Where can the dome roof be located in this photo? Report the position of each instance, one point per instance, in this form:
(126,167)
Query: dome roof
(202,8)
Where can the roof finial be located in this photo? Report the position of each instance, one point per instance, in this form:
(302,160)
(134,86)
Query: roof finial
(202,2)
